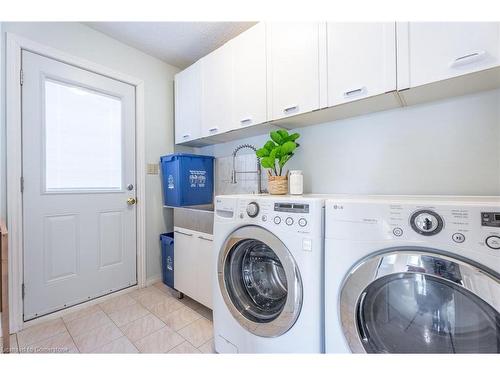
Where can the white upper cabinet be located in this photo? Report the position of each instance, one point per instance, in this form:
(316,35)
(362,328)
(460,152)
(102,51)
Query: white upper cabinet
(296,65)
(361,60)
(434,51)
(217,95)
(188,104)
(249,77)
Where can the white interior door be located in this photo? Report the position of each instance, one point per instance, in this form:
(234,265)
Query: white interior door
(79,173)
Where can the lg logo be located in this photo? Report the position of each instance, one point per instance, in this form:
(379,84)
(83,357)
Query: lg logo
(338,207)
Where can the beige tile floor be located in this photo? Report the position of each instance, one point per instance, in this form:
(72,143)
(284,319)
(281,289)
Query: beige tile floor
(149,320)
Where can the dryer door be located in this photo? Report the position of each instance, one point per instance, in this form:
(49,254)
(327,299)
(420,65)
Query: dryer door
(419,301)
(260,281)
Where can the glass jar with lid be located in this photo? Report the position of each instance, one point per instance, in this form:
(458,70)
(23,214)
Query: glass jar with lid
(296,181)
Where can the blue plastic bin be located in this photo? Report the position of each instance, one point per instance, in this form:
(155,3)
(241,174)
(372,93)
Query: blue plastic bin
(187,179)
(167,258)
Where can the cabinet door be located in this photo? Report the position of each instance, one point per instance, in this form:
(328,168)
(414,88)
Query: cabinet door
(185,243)
(205,268)
(249,77)
(441,50)
(361,60)
(216,91)
(294,51)
(188,104)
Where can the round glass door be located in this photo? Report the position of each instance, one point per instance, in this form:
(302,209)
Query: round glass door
(414,301)
(256,281)
(260,282)
(416,313)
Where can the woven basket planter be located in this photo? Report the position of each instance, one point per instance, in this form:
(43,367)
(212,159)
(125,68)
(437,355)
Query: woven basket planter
(277,185)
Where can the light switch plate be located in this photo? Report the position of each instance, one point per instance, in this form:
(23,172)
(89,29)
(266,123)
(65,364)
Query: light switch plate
(153,169)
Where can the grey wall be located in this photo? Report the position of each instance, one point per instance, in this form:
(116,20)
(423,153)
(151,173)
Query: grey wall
(82,41)
(446,147)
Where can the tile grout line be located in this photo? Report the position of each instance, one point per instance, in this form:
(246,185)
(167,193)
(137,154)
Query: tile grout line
(112,341)
(194,321)
(149,310)
(112,322)
(168,351)
(70,335)
(46,338)
(211,338)
(72,338)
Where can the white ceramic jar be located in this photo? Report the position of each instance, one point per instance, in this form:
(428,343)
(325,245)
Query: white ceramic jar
(296,181)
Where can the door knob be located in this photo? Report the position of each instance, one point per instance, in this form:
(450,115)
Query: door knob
(131,201)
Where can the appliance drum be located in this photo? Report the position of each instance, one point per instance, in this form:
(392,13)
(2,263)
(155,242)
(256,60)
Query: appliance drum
(421,303)
(256,281)
(260,281)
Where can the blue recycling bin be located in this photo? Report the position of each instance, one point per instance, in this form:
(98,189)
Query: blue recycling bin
(167,258)
(188,179)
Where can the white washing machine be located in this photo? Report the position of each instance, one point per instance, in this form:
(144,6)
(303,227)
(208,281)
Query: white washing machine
(268,290)
(412,275)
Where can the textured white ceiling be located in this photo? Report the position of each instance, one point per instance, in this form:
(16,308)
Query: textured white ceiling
(177,43)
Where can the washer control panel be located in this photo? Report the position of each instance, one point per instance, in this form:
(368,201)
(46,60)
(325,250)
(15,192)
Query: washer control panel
(294,216)
(468,225)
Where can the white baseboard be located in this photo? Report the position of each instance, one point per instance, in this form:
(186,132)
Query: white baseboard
(153,280)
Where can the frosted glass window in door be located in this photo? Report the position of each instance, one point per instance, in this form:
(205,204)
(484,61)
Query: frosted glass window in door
(83,139)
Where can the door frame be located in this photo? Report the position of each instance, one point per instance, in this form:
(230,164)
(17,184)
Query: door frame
(15,44)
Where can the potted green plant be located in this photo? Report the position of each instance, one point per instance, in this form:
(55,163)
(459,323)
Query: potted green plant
(273,157)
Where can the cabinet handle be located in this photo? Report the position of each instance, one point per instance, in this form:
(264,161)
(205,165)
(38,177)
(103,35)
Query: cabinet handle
(468,59)
(186,136)
(213,129)
(205,238)
(246,120)
(291,108)
(185,234)
(360,90)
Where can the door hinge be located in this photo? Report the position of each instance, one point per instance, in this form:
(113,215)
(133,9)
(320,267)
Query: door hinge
(21,77)
(23,291)
(22,184)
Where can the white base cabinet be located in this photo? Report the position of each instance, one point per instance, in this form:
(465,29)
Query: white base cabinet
(193,264)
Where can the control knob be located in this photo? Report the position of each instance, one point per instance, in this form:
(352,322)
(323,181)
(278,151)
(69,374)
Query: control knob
(252,209)
(426,222)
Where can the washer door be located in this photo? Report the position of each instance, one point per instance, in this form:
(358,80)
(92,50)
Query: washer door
(260,281)
(414,301)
